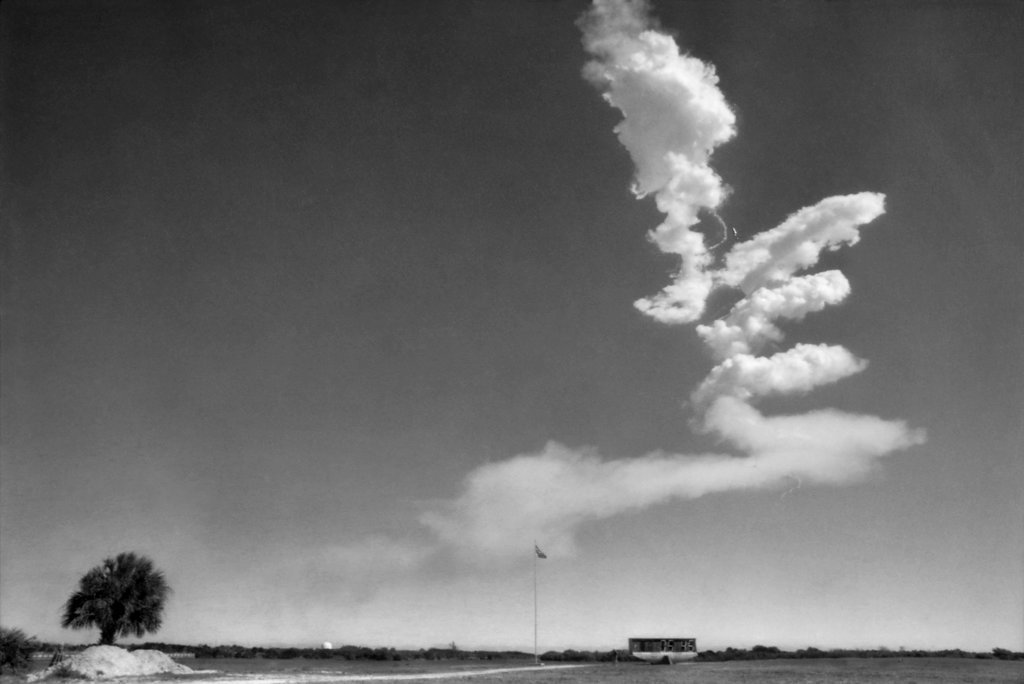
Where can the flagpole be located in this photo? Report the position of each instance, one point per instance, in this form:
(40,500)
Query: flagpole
(535,659)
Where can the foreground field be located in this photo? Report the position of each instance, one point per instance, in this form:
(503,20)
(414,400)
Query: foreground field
(840,670)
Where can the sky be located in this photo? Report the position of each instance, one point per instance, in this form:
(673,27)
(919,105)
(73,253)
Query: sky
(336,309)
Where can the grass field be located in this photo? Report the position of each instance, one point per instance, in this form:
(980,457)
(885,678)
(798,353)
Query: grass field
(841,670)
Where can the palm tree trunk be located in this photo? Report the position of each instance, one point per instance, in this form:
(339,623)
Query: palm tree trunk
(107,634)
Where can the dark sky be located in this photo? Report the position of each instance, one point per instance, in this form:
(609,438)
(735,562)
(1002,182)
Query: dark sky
(276,277)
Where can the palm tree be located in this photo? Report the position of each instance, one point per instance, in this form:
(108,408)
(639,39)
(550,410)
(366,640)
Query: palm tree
(123,596)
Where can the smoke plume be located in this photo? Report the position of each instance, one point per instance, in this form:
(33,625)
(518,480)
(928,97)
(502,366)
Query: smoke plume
(674,116)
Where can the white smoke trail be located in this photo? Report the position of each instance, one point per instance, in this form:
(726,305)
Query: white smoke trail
(674,117)
(775,255)
(750,323)
(725,230)
(799,369)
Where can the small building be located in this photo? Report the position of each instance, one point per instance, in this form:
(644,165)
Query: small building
(665,650)
(327,646)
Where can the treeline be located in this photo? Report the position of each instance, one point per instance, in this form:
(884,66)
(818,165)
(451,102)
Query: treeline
(349,652)
(773,653)
(574,656)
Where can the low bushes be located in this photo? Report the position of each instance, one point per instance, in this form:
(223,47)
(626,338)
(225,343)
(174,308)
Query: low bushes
(16,649)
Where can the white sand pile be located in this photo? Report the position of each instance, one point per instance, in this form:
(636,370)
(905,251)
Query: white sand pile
(104,662)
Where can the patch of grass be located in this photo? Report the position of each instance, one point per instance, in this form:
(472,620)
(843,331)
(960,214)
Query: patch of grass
(782,671)
(62,670)
(834,671)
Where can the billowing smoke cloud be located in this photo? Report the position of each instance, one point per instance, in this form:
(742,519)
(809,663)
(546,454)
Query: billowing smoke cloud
(548,495)
(674,116)
(799,369)
(751,322)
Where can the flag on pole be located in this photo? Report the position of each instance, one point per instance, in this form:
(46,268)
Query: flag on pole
(540,554)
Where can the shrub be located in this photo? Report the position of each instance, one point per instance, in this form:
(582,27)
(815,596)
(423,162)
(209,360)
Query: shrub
(16,649)
(63,670)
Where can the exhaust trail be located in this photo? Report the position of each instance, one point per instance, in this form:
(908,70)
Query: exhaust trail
(674,116)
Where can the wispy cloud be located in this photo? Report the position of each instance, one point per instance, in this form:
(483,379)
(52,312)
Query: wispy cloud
(355,569)
(674,118)
(369,556)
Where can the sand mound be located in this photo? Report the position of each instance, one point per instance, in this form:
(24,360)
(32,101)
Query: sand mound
(104,662)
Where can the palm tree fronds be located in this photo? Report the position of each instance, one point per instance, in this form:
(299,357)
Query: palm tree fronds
(123,596)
